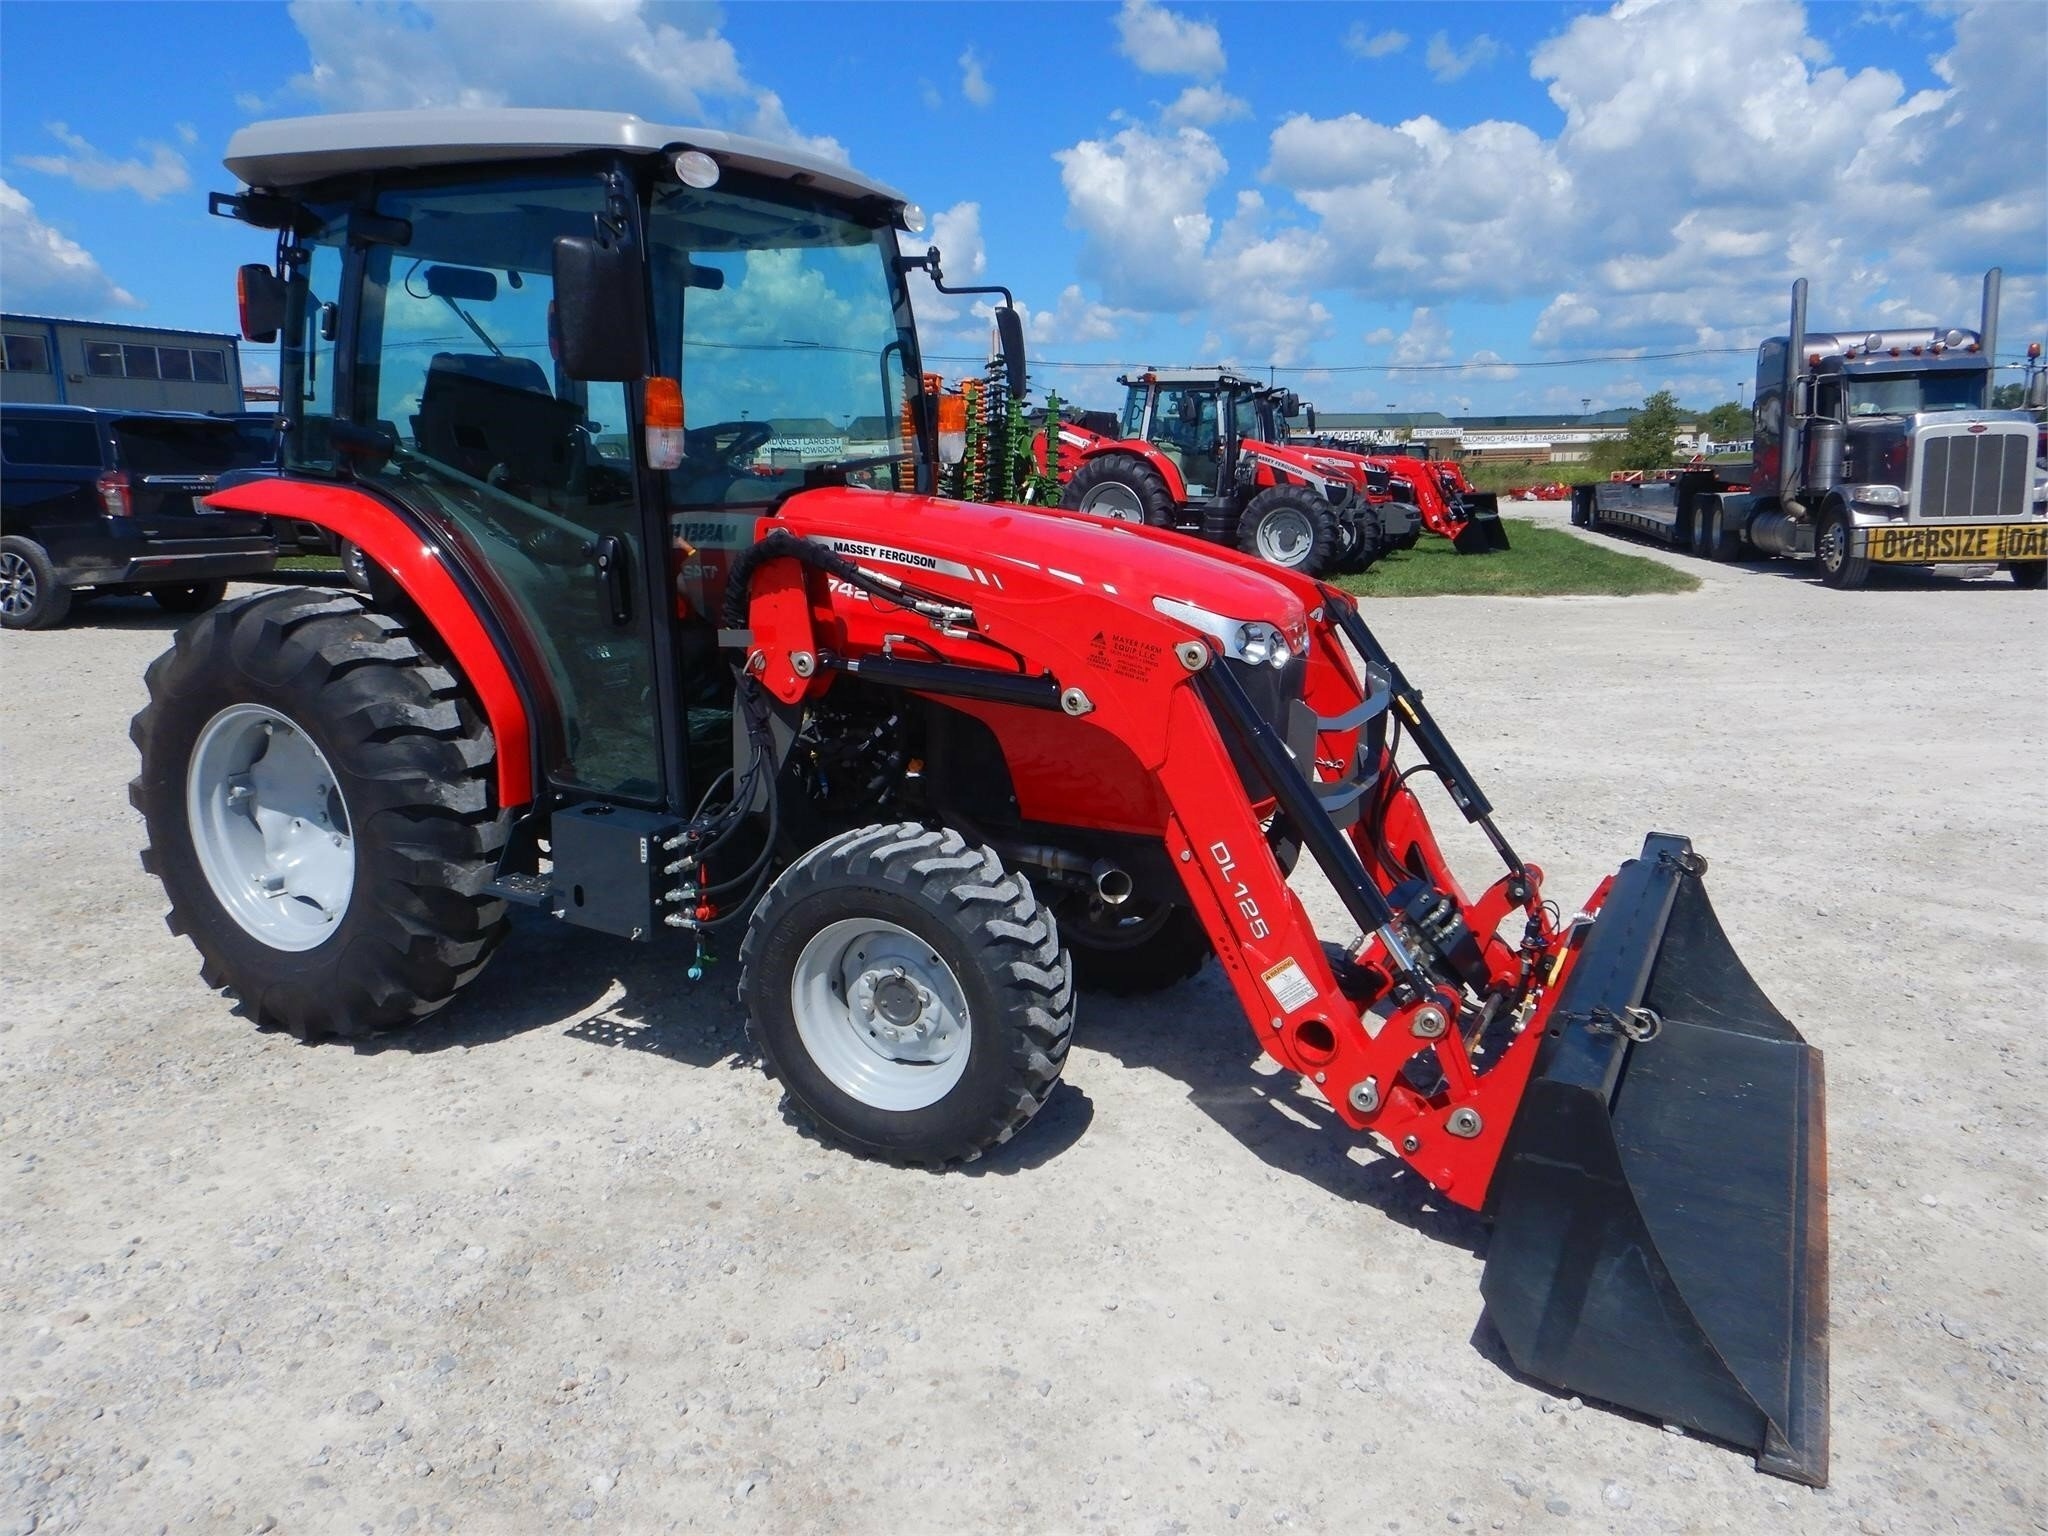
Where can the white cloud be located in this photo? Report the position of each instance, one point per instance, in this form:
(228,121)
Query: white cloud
(1163,42)
(1076,318)
(163,173)
(188,134)
(973,81)
(930,95)
(1206,105)
(48,270)
(1362,44)
(545,53)
(1138,198)
(1427,339)
(1446,62)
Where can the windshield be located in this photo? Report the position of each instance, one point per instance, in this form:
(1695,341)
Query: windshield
(787,326)
(1134,413)
(1906,393)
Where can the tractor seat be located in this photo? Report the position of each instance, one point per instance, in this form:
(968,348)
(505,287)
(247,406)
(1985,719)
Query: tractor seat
(482,413)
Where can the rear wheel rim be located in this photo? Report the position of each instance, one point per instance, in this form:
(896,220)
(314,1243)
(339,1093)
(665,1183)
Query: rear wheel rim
(270,827)
(18,588)
(1285,537)
(880,1014)
(1114,499)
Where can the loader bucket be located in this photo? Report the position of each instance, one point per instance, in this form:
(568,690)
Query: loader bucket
(1485,533)
(1660,1208)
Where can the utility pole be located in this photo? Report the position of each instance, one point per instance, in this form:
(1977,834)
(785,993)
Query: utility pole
(1585,405)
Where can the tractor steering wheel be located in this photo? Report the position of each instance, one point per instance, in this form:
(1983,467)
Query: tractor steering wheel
(710,443)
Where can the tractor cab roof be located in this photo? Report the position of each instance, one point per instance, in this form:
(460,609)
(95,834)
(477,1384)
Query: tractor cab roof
(1199,378)
(294,152)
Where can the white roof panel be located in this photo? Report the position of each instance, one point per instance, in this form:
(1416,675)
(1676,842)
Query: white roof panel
(295,151)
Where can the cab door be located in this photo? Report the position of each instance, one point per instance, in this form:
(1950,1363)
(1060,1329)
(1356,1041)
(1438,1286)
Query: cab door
(452,363)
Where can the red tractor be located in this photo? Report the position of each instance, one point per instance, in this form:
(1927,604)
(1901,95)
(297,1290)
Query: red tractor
(1202,451)
(1437,488)
(933,769)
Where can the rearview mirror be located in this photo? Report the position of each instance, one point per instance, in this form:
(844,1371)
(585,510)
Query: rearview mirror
(1290,404)
(1309,414)
(1010,342)
(260,300)
(478,287)
(711,279)
(2037,391)
(600,311)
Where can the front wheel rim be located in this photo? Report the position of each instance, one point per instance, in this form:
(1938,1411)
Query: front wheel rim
(270,827)
(1115,501)
(880,1014)
(1833,543)
(1285,538)
(17,585)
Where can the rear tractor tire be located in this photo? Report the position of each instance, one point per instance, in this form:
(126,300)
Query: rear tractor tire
(1363,539)
(1133,949)
(909,993)
(1292,527)
(1120,486)
(320,803)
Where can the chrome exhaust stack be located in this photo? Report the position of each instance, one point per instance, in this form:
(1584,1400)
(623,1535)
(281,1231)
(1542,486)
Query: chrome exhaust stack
(1987,333)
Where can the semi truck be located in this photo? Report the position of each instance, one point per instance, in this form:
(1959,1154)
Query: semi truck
(1871,447)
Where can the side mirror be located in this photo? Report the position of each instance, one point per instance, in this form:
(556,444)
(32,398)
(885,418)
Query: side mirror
(1290,404)
(1010,341)
(260,299)
(600,311)
(1310,422)
(2037,391)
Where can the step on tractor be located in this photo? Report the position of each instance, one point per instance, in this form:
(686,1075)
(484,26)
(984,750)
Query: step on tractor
(934,771)
(1203,451)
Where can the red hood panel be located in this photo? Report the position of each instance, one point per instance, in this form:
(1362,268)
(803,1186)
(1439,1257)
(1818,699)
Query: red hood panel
(972,542)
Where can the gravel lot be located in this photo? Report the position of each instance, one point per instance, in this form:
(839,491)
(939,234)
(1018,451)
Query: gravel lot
(558,1261)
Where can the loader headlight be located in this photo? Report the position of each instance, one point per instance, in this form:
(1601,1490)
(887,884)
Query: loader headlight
(1262,645)
(1254,642)
(1878,495)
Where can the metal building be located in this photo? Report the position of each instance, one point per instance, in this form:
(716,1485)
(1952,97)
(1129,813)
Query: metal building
(49,361)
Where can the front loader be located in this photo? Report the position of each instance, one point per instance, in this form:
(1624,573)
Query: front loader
(933,769)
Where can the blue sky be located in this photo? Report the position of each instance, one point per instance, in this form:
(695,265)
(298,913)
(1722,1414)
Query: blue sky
(1434,207)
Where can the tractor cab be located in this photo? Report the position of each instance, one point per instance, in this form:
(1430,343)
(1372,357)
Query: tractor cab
(1196,418)
(585,354)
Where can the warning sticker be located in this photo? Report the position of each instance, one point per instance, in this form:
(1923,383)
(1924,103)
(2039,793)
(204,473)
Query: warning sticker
(1290,986)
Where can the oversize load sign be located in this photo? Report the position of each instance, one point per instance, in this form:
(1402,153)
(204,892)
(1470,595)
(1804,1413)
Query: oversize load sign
(1929,546)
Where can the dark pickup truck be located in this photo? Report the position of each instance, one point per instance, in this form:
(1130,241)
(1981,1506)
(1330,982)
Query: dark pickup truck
(110,501)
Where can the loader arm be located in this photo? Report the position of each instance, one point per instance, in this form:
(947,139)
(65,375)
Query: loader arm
(1642,1129)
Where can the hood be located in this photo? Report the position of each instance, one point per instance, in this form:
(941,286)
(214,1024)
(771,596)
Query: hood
(1018,547)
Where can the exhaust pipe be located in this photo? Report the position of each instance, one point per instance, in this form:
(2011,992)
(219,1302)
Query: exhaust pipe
(1987,333)
(1113,883)
(1791,442)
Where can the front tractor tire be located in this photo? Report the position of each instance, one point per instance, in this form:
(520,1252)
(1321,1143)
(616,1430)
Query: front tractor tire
(320,806)
(1120,486)
(909,993)
(1292,527)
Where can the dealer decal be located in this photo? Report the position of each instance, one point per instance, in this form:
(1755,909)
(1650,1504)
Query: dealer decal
(1928,546)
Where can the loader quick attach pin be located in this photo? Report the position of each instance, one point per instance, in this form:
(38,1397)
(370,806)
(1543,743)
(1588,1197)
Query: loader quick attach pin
(1365,1096)
(802,663)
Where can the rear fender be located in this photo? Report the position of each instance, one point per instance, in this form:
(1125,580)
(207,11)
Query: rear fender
(422,570)
(1159,463)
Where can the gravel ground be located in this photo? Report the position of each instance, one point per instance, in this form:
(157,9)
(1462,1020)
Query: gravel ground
(558,1261)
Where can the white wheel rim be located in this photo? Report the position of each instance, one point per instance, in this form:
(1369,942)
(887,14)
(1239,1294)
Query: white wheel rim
(881,1014)
(17,584)
(270,827)
(1114,500)
(1285,537)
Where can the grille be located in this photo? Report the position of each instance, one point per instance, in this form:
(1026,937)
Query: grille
(1975,475)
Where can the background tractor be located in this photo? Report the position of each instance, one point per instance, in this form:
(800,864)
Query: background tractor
(925,763)
(1202,451)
